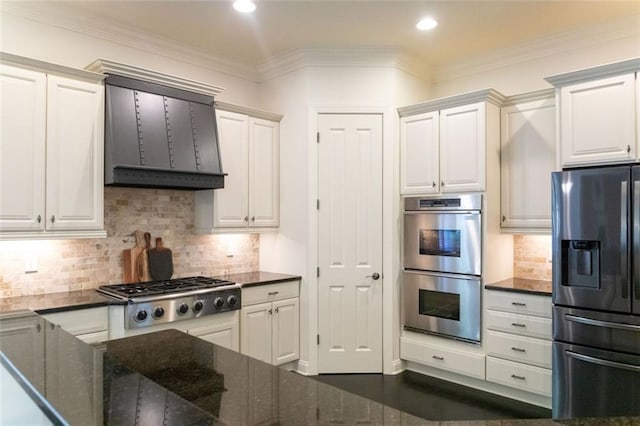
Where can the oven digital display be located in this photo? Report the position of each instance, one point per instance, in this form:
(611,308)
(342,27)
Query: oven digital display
(440,242)
(439,304)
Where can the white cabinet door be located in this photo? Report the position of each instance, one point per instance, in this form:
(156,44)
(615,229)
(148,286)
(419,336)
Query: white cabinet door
(22,341)
(230,203)
(462,148)
(527,157)
(75,121)
(419,157)
(597,121)
(255,331)
(264,181)
(22,149)
(286,331)
(225,333)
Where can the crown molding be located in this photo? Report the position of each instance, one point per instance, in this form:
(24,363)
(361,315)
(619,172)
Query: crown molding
(279,65)
(252,112)
(583,37)
(601,71)
(34,64)
(105,66)
(485,95)
(64,17)
(537,95)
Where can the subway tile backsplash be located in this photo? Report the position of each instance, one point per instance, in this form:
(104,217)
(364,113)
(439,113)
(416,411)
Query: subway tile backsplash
(66,265)
(531,257)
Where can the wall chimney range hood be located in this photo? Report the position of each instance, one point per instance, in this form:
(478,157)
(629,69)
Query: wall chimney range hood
(159,131)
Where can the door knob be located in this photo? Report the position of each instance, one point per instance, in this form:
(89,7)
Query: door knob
(375,276)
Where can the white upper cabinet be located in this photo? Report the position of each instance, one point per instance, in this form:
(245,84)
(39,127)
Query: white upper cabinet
(419,138)
(51,151)
(527,157)
(249,149)
(443,143)
(597,114)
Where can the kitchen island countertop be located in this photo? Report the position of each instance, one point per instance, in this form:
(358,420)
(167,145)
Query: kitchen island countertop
(169,377)
(522,285)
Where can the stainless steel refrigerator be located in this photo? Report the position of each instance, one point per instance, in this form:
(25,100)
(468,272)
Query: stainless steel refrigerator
(596,292)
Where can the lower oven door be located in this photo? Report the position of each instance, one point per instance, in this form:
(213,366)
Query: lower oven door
(589,382)
(443,304)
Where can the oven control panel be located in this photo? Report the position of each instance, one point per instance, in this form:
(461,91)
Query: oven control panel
(148,313)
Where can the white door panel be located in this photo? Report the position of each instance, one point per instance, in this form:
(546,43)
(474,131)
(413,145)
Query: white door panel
(350,243)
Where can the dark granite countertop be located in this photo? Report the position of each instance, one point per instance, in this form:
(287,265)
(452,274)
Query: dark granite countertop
(52,302)
(522,285)
(258,278)
(172,378)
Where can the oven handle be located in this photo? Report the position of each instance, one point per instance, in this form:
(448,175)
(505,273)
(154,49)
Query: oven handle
(604,362)
(599,323)
(441,274)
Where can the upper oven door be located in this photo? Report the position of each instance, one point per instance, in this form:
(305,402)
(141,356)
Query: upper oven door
(443,241)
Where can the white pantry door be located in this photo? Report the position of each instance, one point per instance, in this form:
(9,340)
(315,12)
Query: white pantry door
(350,243)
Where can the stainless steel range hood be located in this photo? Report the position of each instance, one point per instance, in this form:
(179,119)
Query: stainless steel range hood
(157,136)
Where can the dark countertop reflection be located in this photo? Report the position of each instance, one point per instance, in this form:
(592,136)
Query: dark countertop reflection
(246,279)
(172,378)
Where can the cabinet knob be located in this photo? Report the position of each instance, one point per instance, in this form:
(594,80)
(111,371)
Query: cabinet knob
(270,311)
(433,184)
(253,218)
(39,219)
(53,219)
(442,183)
(504,218)
(628,148)
(277,310)
(246,218)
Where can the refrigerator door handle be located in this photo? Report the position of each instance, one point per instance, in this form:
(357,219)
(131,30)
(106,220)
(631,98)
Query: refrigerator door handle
(635,226)
(599,323)
(606,363)
(624,236)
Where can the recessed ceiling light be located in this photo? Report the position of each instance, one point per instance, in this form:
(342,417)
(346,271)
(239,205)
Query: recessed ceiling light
(426,24)
(244,6)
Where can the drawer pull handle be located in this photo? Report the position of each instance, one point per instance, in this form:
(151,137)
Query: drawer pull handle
(517,324)
(513,376)
(273,293)
(518,304)
(518,349)
(439,358)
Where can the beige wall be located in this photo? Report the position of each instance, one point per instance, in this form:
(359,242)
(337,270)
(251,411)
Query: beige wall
(65,265)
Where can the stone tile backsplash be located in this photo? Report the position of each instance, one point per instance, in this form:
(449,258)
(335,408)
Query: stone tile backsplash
(66,265)
(531,254)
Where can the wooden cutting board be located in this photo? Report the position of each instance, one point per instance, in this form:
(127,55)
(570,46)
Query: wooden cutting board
(160,262)
(130,259)
(142,262)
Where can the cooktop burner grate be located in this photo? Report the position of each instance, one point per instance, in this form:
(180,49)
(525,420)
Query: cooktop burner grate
(150,288)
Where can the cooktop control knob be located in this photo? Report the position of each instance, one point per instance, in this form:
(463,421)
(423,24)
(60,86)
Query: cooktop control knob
(218,302)
(183,309)
(232,300)
(198,306)
(141,316)
(158,312)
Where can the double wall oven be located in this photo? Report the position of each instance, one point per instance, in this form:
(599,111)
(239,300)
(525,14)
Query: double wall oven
(441,288)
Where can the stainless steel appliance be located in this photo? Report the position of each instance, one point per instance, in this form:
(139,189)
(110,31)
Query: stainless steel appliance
(596,292)
(442,265)
(160,302)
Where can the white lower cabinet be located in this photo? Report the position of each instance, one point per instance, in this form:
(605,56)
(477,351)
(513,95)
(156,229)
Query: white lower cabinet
(270,322)
(443,354)
(518,345)
(91,325)
(22,341)
(223,333)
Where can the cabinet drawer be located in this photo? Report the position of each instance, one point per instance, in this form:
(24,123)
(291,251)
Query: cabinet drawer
(81,321)
(469,364)
(519,348)
(521,376)
(527,304)
(519,324)
(270,292)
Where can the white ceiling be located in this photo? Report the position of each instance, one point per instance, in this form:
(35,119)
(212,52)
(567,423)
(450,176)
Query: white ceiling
(468,29)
